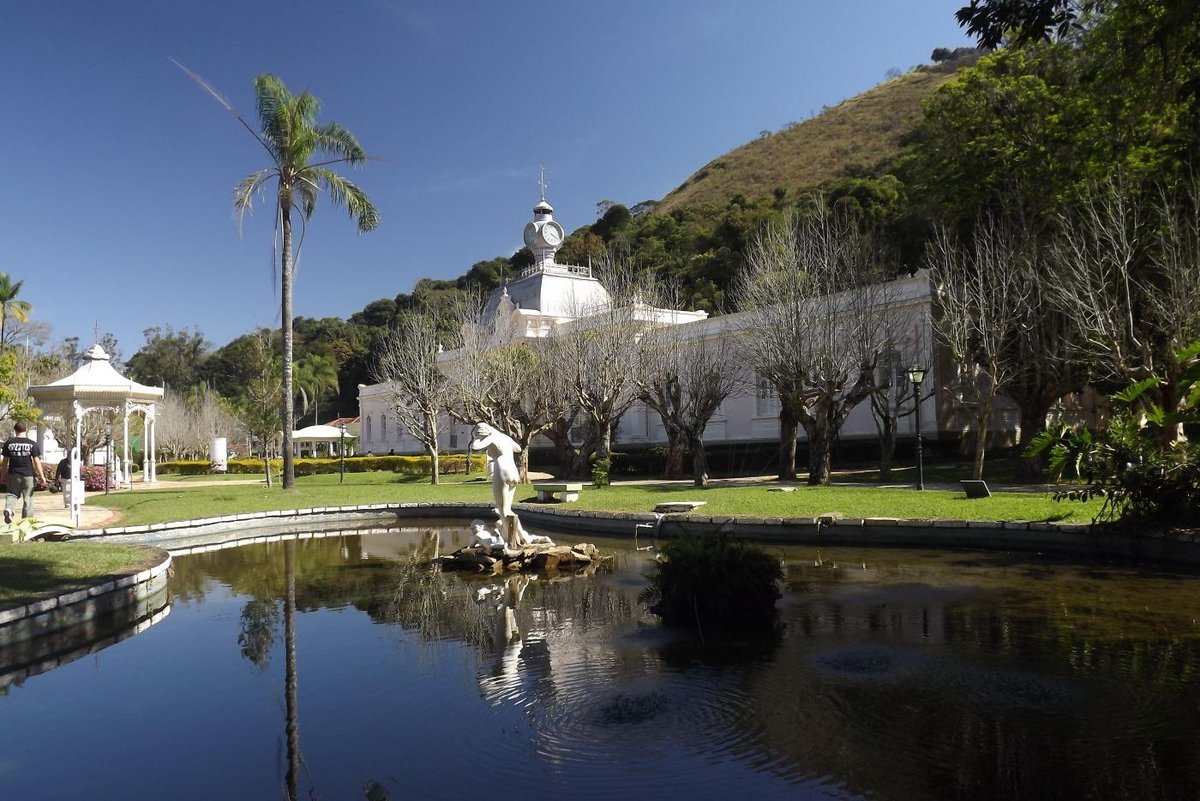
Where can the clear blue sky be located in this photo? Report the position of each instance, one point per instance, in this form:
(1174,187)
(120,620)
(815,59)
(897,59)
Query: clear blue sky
(116,173)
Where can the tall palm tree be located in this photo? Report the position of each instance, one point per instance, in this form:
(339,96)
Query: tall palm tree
(10,306)
(289,132)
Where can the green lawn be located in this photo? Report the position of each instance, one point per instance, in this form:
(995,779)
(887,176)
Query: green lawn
(32,569)
(183,501)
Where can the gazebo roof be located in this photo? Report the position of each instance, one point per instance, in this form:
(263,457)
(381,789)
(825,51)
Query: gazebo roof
(320,433)
(96,379)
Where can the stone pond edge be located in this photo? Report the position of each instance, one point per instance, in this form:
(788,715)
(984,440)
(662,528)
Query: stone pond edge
(1183,548)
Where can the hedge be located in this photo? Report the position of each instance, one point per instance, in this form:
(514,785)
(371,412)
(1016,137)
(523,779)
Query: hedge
(407,465)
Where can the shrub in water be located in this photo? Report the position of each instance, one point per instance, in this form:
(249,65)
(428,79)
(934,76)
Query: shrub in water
(715,583)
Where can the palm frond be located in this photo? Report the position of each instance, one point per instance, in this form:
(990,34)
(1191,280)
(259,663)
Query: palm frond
(246,190)
(211,91)
(345,193)
(272,100)
(333,138)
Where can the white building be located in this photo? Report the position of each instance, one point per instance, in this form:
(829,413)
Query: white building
(548,295)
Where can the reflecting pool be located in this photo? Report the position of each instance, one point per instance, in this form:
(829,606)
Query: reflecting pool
(341,668)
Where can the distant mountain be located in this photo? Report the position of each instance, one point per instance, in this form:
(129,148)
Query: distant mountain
(857,135)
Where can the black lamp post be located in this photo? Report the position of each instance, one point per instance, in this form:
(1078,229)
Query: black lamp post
(108,455)
(342,454)
(916,375)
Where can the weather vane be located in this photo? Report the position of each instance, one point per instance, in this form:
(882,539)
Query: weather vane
(542,180)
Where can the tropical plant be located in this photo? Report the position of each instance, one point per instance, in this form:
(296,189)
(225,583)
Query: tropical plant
(314,375)
(10,306)
(1142,475)
(289,132)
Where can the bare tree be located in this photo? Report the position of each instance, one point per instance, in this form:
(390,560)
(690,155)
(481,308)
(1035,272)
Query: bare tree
(597,352)
(258,404)
(407,365)
(982,292)
(514,386)
(815,314)
(892,396)
(686,379)
(1127,275)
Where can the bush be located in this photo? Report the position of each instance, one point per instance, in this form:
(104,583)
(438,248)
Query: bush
(1143,475)
(600,468)
(406,465)
(93,478)
(716,584)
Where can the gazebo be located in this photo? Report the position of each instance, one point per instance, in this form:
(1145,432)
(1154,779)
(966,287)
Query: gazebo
(322,433)
(97,387)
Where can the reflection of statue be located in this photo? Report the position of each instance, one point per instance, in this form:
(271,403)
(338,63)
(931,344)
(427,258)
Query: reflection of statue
(502,449)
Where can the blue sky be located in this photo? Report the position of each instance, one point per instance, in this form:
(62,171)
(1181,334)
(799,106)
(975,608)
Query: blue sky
(117,172)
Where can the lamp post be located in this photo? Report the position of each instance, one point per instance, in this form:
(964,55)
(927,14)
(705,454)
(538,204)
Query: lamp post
(916,375)
(108,454)
(342,454)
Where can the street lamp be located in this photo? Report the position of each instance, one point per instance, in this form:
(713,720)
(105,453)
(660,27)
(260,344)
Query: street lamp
(342,454)
(916,375)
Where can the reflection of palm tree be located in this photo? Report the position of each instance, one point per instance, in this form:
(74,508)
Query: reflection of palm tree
(260,618)
(292,726)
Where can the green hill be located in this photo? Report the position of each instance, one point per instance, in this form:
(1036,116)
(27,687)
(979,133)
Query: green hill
(859,134)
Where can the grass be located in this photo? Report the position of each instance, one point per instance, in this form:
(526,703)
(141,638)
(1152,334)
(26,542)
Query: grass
(179,501)
(863,131)
(31,570)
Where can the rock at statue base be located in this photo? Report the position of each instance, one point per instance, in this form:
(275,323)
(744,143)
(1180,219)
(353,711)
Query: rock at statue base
(544,558)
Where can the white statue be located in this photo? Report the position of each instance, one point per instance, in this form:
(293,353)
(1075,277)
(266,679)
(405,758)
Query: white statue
(505,476)
(485,536)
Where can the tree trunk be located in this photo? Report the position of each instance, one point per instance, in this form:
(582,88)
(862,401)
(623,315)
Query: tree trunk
(285,290)
(787,445)
(267,466)
(1033,422)
(820,445)
(523,459)
(434,467)
(676,449)
(887,447)
(699,462)
(981,432)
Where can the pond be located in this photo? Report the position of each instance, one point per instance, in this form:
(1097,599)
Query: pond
(899,675)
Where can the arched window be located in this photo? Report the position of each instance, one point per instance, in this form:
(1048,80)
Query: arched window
(368,430)
(766,401)
(383,427)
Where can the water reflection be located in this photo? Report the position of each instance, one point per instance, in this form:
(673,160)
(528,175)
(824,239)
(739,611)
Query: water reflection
(900,675)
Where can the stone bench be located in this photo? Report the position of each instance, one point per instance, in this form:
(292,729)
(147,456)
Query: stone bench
(569,491)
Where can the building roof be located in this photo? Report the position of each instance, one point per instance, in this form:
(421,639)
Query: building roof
(95,379)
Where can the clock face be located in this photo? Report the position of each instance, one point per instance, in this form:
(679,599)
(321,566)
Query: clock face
(551,233)
(530,233)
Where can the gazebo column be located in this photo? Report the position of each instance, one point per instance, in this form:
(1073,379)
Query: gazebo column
(125,449)
(150,467)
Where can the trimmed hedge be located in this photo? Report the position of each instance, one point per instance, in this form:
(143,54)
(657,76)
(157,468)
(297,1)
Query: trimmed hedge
(406,465)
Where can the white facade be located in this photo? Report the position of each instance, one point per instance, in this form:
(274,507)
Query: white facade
(548,295)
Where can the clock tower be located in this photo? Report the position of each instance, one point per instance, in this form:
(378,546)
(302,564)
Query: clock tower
(543,236)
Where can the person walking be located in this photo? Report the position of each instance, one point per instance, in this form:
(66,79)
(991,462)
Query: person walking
(21,468)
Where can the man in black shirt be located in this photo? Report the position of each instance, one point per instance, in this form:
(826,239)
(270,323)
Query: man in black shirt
(22,467)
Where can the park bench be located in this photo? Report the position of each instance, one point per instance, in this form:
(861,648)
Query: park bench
(567,490)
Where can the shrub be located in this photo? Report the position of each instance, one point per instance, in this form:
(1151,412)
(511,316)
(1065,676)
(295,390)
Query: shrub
(600,468)
(1143,475)
(93,478)
(715,583)
(406,465)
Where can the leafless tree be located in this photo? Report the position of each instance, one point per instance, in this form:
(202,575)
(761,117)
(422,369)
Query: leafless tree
(1127,275)
(597,352)
(497,378)
(815,312)
(892,395)
(686,378)
(983,293)
(407,365)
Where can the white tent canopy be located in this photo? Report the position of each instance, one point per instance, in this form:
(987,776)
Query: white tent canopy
(97,387)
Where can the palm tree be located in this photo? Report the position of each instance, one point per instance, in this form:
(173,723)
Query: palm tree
(315,375)
(10,306)
(289,132)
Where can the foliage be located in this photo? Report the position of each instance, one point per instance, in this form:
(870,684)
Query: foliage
(170,358)
(1137,465)
(405,465)
(94,476)
(600,472)
(10,306)
(716,584)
